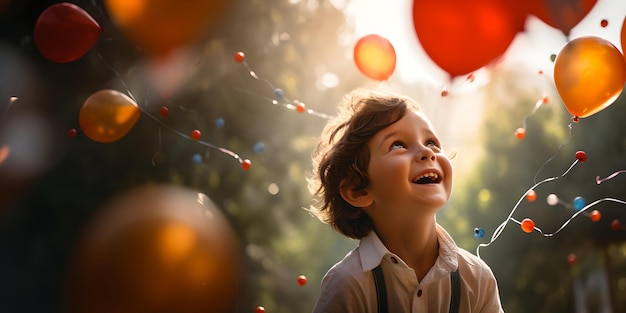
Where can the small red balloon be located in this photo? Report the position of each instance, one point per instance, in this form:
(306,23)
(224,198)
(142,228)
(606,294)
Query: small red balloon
(301,280)
(581,156)
(259,309)
(595,215)
(164,111)
(64,32)
(520,133)
(246,164)
(527,225)
(195,135)
(239,57)
(72,133)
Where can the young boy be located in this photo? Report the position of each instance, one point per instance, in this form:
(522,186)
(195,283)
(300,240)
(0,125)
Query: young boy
(381,176)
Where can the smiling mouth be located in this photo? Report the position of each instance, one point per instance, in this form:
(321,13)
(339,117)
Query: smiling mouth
(428,178)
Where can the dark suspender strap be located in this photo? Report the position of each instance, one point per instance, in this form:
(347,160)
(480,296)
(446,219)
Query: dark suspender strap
(381,289)
(455,297)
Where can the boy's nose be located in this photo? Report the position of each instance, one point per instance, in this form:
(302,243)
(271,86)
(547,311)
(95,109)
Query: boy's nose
(426,154)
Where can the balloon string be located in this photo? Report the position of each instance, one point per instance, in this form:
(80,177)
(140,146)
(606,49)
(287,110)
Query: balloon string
(599,181)
(541,101)
(502,226)
(573,216)
(286,103)
(11,101)
(555,153)
(158,121)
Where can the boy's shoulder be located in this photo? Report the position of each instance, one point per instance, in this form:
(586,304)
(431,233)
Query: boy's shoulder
(470,263)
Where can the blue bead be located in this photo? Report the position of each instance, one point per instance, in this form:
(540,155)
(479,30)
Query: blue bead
(579,203)
(196,159)
(279,93)
(479,232)
(219,122)
(259,147)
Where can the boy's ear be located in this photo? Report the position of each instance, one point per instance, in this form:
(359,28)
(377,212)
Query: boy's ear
(356,198)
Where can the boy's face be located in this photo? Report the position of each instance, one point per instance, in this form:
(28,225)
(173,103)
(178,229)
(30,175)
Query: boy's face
(407,167)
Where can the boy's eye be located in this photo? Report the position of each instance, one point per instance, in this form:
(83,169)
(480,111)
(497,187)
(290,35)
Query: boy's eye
(432,143)
(397,145)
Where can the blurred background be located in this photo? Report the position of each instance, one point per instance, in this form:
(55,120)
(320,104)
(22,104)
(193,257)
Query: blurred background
(179,65)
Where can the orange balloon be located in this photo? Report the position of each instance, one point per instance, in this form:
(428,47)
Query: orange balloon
(108,115)
(375,57)
(159,248)
(159,27)
(589,74)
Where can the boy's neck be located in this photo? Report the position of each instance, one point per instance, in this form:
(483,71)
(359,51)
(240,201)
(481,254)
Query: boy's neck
(417,245)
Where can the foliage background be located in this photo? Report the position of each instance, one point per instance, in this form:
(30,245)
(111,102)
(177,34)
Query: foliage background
(291,44)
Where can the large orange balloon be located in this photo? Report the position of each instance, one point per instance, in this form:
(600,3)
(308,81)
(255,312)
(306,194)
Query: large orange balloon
(64,32)
(462,36)
(108,115)
(159,248)
(561,14)
(160,26)
(589,74)
(375,57)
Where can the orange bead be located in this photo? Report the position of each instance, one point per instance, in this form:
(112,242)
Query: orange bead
(531,196)
(520,133)
(528,225)
(595,215)
(246,164)
(195,135)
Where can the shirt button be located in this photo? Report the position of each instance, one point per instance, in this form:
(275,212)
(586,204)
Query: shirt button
(419,293)
(394,260)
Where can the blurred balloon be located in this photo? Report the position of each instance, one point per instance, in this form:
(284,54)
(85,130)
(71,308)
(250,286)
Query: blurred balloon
(589,74)
(462,36)
(160,27)
(108,115)
(375,57)
(561,14)
(64,32)
(159,248)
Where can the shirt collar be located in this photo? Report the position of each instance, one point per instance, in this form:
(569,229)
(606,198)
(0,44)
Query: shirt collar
(372,251)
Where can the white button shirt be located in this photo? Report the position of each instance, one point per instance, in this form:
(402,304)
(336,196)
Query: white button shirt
(349,285)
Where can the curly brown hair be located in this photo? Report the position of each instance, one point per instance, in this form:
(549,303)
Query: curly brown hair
(342,155)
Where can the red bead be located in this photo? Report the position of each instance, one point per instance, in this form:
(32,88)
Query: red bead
(239,56)
(616,225)
(528,225)
(164,111)
(595,215)
(300,106)
(544,100)
(301,280)
(571,259)
(531,196)
(246,164)
(195,135)
(259,309)
(72,133)
(576,119)
(444,92)
(581,156)
(604,23)
(520,133)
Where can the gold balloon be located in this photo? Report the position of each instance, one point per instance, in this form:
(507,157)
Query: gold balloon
(108,115)
(160,248)
(589,74)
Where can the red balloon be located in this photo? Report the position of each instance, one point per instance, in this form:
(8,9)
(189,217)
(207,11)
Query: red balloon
(375,57)
(462,36)
(561,14)
(64,32)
